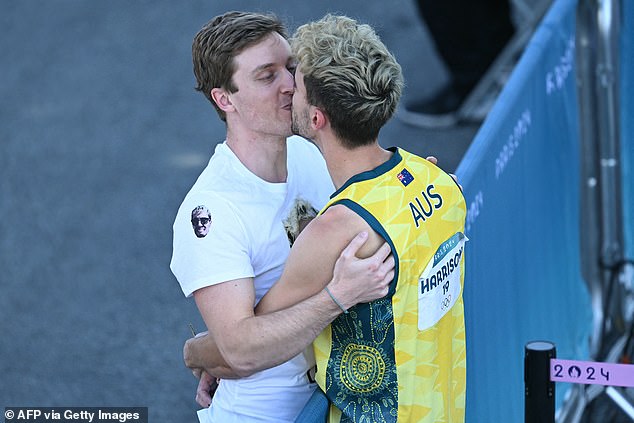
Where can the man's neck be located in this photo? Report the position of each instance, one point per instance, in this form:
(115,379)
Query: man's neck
(264,156)
(344,163)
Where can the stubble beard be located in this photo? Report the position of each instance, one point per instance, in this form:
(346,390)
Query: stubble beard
(299,124)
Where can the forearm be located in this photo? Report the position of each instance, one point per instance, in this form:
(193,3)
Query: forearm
(265,341)
(250,343)
(201,352)
(284,333)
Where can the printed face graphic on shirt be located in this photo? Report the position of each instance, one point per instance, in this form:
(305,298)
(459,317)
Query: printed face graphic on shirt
(201,221)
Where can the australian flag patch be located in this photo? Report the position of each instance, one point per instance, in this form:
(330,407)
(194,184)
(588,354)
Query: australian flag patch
(405,177)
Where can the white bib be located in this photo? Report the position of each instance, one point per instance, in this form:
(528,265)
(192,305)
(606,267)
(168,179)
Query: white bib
(440,283)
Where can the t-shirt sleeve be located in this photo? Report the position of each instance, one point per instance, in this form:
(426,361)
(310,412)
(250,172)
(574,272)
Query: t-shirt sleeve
(210,244)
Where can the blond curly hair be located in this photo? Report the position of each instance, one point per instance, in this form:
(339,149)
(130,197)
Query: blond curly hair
(350,74)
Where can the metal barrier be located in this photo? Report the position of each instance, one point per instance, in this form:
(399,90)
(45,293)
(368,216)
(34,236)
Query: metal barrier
(602,238)
(602,245)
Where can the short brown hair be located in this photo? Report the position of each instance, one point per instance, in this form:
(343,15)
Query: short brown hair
(220,40)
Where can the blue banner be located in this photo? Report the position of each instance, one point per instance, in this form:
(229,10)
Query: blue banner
(627,122)
(522,185)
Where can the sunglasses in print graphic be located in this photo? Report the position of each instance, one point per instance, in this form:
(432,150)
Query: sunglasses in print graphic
(201,221)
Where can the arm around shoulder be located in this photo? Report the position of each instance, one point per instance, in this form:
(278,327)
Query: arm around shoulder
(338,239)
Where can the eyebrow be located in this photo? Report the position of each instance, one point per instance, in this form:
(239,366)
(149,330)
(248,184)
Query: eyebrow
(261,68)
(291,61)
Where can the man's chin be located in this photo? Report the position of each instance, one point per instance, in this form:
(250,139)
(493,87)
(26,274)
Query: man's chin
(300,134)
(297,132)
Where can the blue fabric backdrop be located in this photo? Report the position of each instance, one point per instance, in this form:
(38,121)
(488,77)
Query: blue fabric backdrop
(627,121)
(521,182)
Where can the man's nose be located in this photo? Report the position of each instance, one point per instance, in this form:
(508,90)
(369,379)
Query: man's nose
(288,86)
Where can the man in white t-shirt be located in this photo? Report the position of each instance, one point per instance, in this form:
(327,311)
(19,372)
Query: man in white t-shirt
(232,231)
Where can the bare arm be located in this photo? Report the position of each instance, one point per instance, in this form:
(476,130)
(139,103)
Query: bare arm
(250,343)
(203,345)
(307,274)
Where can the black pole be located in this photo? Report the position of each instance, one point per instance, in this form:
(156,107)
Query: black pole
(539,391)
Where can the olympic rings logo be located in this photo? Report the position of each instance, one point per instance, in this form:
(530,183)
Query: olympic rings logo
(446,303)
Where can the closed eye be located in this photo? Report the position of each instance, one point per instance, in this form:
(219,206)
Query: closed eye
(267,77)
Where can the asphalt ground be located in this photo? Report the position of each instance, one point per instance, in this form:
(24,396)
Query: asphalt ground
(101,136)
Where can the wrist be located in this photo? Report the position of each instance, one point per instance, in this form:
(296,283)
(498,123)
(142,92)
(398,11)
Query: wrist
(335,300)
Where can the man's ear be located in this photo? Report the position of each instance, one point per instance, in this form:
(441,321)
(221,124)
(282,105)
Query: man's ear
(318,118)
(222,99)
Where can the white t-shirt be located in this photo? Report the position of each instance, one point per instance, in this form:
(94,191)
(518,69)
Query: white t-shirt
(238,231)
